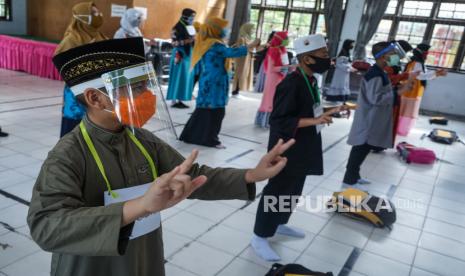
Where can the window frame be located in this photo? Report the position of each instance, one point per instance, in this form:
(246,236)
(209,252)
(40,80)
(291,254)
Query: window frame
(288,10)
(8,7)
(431,22)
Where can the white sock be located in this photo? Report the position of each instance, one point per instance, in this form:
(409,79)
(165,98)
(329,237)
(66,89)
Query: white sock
(262,248)
(289,231)
(363,181)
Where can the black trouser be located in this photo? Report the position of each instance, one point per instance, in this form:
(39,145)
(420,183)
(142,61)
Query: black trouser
(284,184)
(358,154)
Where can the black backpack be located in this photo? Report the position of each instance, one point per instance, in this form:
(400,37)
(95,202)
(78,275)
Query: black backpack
(289,269)
(444,136)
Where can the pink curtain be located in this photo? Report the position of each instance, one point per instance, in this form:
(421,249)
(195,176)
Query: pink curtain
(33,57)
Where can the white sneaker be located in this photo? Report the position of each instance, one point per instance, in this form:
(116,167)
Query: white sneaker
(262,248)
(363,181)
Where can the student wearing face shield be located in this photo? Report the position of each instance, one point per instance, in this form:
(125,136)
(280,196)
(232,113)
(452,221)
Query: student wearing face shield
(297,114)
(372,128)
(83,29)
(97,200)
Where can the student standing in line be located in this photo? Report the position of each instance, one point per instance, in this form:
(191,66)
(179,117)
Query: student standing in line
(372,128)
(297,114)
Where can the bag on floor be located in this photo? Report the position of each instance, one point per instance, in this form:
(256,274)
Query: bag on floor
(361,205)
(411,154)
(294,270)
(439,121)
(444,136)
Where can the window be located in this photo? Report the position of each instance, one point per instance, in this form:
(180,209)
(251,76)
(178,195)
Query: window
(391,9)
(254,18)
(299,17)
(272,21)
(445,43)
(5,10)
(452,10)
(413,32)
(382,34)
(304,3)
(321,25)
(299,25)
(440,23)
(276,2)
(417,8)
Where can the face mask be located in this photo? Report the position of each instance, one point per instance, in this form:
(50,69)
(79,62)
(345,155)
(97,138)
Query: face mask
(189,20)
(320,66)
(136,113)
(97,21)
(394,60)
(224,33)
(285,42)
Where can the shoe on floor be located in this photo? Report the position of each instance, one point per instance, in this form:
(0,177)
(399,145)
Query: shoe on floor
(3,134)
(183,105)
(290,231)
(363,181)
(220,146)
(262,248)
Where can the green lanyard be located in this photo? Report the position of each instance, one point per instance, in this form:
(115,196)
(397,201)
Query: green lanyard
(315,94)
(97,159)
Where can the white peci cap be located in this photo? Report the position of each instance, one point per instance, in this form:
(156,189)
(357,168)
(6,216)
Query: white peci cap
(309,43)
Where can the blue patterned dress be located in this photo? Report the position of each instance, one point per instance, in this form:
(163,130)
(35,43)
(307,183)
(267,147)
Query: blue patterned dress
(205,123)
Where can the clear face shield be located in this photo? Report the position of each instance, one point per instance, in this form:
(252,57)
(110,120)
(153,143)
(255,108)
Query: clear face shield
(396,51)
(138,100)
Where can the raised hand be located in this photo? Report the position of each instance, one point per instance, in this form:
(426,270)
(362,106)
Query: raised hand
(271,163)
(171,188)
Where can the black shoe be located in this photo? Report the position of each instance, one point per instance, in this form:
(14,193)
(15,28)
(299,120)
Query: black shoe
(3,134)
(178,105)
(183,105)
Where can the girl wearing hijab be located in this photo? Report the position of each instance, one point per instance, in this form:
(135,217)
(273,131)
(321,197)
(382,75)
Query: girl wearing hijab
(181,81)
(259,58)
(339,90)
(130,23)
(410,102)
(243,74)
(213,57)
(276,66)
(83,29)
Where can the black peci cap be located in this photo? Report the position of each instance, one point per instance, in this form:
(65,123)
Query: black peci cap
(82,67)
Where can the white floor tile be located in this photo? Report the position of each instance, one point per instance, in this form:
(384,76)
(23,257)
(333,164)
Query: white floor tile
(187,224)
(392,249)
(439,264)
(243,267)
(37,264)
(371,264)
(202,259)
(226,239)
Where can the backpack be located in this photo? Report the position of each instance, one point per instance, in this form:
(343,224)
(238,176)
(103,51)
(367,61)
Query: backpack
(444,136)
(361,205)
(411,154)
(294,270)
(439,121)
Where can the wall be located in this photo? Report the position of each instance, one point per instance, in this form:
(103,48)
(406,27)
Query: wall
(18,25)
(163,14)
(446,95)
(50,18)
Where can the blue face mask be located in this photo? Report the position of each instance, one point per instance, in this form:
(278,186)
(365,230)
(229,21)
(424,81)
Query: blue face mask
(225,33)
(188,20)
(394,60)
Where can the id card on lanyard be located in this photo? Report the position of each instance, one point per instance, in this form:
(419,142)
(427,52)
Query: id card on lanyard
(144,225)
(317,106)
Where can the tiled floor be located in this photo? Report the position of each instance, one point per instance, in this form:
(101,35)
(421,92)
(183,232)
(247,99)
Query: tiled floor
(427,239)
